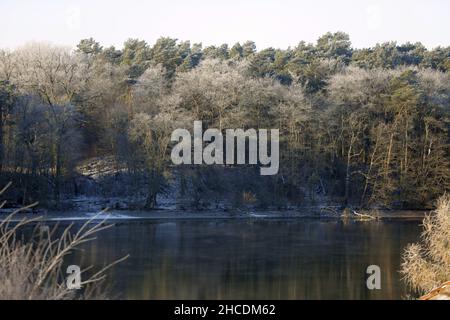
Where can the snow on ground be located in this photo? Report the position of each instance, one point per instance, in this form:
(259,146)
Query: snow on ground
(94,216)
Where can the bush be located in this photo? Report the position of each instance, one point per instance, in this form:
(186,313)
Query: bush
(426,264)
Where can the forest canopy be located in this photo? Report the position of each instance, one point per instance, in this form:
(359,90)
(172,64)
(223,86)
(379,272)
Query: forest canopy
(367,127)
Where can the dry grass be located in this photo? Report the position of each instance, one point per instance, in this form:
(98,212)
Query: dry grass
(32,265)
(426,265)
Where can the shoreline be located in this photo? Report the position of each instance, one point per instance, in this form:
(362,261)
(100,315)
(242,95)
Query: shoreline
(167,215)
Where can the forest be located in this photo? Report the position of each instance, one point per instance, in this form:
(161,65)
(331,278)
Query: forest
(367,127)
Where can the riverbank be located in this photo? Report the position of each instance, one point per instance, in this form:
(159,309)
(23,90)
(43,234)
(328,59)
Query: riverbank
(168,214)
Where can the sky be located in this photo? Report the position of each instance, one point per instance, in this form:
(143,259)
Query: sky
(270,23)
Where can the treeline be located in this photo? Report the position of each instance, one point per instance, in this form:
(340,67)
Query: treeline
(366,127)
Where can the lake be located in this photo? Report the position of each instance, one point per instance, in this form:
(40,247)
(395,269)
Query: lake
(252,258)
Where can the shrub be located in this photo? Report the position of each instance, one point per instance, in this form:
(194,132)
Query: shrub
(426,264)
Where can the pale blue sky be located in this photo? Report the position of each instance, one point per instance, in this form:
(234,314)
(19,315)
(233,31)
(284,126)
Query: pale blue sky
(277,23)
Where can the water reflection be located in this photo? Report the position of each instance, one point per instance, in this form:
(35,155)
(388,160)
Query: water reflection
(253,259)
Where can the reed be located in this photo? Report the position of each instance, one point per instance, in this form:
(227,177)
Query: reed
(32,266)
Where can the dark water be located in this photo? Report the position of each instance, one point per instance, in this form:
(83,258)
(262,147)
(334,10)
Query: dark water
(252,259)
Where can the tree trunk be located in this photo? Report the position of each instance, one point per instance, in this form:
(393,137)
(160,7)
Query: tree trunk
(1,140)
(347,174)
(58,173)
(153,190)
